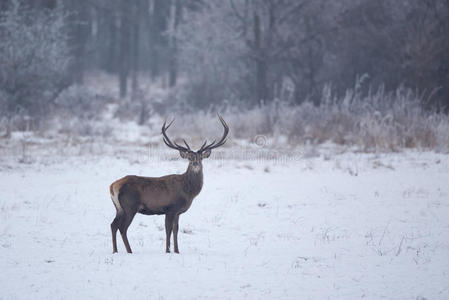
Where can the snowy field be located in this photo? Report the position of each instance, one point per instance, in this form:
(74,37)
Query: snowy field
(346,226)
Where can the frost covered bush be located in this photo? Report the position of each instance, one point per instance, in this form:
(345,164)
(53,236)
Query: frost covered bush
(82,110)
(138,110)
(81,102)
(374,121)
(75,127)
(34,58)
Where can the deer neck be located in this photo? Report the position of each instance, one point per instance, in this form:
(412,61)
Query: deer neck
(193,180)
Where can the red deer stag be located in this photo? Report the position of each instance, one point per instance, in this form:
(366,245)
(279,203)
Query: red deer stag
(169,195)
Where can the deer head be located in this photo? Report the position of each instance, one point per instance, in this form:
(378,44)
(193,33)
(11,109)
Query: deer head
(195,157)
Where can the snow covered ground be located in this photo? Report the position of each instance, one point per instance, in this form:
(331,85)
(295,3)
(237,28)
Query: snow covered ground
(347,226)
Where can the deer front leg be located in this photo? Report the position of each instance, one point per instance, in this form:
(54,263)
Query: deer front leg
(168,229)
(175,233)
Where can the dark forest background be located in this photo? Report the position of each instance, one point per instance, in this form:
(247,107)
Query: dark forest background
(209,55)
(239,50)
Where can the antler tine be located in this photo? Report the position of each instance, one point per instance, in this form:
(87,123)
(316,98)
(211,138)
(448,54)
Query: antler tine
(188,147)
(167,143)
(167,140)
(202,146)
(169,124)
(221,141)
(211,144)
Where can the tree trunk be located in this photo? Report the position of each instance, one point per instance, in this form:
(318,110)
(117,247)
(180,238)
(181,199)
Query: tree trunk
(173,68)
(124,49)
(79,31)
(135,47)
(153,29)
(261,63)
(111,61)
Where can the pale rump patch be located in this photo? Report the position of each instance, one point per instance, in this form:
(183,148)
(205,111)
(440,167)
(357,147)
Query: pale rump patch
(114,196)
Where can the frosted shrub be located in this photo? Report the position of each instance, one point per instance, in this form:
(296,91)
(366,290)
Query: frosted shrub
(81,102)
(34,58)
(376,121)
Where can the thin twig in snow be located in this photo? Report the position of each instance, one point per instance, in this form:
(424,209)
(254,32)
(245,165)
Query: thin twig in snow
(383,234)
(400,246)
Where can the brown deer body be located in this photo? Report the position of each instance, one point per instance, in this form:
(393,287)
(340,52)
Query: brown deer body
(169,195)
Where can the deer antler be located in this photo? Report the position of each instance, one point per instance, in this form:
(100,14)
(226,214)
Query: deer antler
(171,144)
(214,144)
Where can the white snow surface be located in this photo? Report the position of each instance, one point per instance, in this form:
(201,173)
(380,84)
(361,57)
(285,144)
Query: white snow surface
(349,226)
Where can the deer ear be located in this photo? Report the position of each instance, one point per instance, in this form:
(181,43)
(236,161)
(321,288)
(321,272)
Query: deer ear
(183,154)
(205,154)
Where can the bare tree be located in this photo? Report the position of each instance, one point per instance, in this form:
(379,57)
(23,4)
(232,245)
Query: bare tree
(124,56)
(257,44)
(136,18)
(175,16)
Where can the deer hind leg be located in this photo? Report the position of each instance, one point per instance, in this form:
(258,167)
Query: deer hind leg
(114,228)
(123,227)
(168,229)
(175,233)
